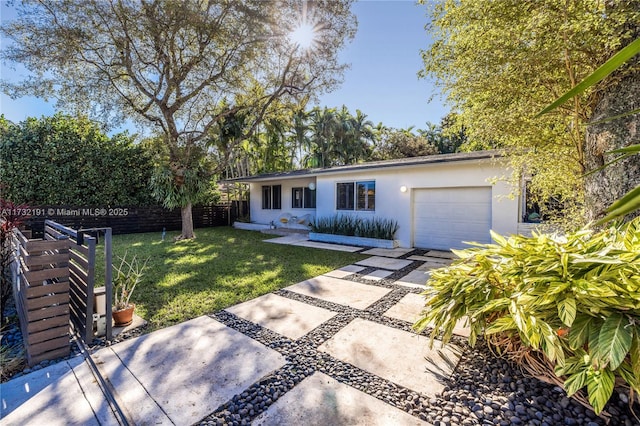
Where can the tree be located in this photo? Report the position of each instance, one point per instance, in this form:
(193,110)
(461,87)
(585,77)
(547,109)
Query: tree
(180,66)
(61,160)
(402,143)
(501,62)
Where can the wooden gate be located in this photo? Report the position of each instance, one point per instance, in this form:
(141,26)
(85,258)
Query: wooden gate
(82,276)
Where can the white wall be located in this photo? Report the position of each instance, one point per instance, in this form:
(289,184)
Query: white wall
(266,216)
(392,203)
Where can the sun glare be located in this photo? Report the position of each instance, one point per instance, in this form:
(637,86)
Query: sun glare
(304,35)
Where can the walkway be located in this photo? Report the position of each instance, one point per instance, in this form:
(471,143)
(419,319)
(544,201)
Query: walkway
(335,349)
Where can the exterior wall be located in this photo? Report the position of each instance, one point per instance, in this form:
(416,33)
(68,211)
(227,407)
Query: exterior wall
(259,215)
(392,203)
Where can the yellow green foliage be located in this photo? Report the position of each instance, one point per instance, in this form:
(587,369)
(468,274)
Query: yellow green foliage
(574,298)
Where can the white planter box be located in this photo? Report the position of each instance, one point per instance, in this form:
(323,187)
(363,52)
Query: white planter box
(354,241)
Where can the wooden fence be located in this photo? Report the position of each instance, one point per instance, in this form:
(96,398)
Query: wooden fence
(128,220)
(41,292)
(82,265)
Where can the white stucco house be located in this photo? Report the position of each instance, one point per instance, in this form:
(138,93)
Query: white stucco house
(439,201)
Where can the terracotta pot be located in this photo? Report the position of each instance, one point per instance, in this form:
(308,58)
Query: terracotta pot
(123,317)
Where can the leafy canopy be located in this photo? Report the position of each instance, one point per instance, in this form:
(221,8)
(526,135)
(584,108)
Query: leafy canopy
(501,62)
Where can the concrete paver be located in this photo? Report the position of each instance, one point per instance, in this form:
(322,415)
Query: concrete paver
(322,400)
(429,266)
(416,278)
(377,275)
(188,369)
(431,259)
(65,393)
(394,252)
(410,308)
(288,317)
(328,246)
(385,263)
(345,271)
(415,366)
(440,253)
(343,292)
(288,239)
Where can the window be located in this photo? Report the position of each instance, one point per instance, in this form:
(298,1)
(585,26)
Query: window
(296,198)
(272,197)
(266,197)
(356,195)
(344,196)
(366,195)
(303,198)
(536,210)
(309,198)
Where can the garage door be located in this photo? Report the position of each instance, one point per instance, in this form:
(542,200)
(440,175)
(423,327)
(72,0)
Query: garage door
(445,217)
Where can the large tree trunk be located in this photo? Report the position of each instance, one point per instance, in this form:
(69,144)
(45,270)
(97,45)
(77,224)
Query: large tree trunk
(187,223)
(604,187)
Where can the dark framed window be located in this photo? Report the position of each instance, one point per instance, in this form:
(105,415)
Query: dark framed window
(303,198)
(266,197)
(309,198)
(366,195)
(344,196)
(296,198)
(356,195)
(272,197)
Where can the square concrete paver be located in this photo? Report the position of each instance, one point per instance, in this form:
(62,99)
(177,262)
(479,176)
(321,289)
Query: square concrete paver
(288,239)
(343,292)
(182,373)
(394,252)
(440,253)
(385,263)
(410,308)
(63,393)
(415,278)
(288,317)
(429,266)
(322,400)
(377,275)
(431,259)
(345,271)
(396,355)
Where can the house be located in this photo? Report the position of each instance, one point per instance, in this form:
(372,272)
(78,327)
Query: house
(439,201)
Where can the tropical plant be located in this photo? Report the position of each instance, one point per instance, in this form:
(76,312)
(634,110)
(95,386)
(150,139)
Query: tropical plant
(630,202)
(339,224)
(11,217)
(566,308)
(127,275)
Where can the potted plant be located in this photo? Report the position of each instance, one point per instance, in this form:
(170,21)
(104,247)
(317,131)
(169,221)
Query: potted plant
(126,277)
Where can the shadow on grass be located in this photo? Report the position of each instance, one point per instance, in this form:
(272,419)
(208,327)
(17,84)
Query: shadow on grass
(221,267)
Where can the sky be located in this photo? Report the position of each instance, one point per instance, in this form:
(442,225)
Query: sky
(382,81)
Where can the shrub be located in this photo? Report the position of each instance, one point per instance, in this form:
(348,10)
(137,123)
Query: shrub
(564,307)
(61,160)
(384,229)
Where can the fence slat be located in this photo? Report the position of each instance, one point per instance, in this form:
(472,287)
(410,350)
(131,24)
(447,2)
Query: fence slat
(46,259)
(50,333)
(50,312)
(41,325)
(37,277)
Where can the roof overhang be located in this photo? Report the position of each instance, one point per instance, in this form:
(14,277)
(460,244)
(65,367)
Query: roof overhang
(373,165)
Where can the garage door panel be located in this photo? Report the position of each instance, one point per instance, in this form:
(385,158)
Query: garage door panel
(445,217)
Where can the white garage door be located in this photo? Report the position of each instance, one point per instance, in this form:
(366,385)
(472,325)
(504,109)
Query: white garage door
(445,217)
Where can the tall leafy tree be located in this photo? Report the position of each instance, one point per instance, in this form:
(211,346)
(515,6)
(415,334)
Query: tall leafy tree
(179,66)
(499,63)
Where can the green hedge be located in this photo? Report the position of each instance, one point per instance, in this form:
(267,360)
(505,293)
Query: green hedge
(62,160)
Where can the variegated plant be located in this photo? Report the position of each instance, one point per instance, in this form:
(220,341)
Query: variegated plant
(572,300)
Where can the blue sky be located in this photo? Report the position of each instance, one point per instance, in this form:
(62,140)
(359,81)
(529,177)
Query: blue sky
(382,81)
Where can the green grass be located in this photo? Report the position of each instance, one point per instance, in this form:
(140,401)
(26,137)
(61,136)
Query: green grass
(221,267)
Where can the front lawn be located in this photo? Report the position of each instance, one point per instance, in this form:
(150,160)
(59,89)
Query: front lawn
(221,267)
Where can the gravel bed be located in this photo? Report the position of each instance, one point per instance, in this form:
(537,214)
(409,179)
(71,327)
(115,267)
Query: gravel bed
(483,389)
